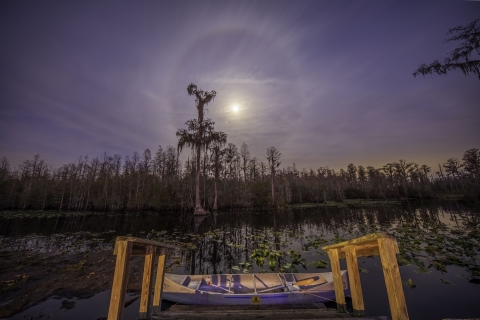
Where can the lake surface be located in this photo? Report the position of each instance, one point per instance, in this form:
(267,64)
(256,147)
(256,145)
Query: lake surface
(439,249)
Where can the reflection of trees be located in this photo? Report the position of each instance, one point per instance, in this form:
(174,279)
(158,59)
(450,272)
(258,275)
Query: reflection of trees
(429,237)
(436,244)
(56,243)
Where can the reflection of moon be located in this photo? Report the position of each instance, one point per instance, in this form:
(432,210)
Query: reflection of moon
(235,108)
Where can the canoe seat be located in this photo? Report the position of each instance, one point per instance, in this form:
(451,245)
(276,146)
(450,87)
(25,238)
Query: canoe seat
(243,283)
(179,278)
(194,284)
(185,281)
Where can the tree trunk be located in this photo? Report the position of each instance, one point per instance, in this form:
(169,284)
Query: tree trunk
(198,207)
(273,188)
(215,208)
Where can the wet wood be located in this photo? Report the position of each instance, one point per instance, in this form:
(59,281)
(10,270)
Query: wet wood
(393,282)
(157,294)
(337,280)
(264,312)
(147,282)
(120,278)
(354,279)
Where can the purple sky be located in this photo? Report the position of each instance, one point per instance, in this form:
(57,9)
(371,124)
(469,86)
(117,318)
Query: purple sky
(326,82)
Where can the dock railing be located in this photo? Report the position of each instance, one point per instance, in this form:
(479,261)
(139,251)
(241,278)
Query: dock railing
(125,247)
(382,244)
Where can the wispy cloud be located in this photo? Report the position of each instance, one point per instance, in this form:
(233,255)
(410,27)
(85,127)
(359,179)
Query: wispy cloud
(327,83)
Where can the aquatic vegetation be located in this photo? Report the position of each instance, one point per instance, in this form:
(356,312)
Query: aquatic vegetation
(440,245)
(410,283)
(430,240)
(320,264)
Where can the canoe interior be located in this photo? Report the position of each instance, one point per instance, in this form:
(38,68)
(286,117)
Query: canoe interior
(248,283)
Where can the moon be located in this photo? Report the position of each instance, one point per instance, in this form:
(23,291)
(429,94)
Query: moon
(235,108)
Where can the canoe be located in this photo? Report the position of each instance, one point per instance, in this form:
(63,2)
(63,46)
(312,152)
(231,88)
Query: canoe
(255,288)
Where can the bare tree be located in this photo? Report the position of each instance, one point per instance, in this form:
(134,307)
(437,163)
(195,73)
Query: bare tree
(263,169)
(471,162)
(273,157)
(253,165)
(460,57)
(4,168)
(216,155)
(245,155)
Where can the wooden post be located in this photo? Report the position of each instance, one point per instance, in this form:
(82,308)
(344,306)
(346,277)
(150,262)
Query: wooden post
(379,243)
(354,279)
(157,295)
(147,283)
(396,297)
(337,280)
(120,279)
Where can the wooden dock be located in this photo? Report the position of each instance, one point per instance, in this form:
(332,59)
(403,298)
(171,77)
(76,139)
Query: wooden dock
(381,244)
(263,312)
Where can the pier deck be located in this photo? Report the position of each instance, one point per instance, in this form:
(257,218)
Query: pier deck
(263,312)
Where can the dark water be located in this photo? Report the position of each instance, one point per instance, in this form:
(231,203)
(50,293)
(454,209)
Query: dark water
(439,244)
(95,307)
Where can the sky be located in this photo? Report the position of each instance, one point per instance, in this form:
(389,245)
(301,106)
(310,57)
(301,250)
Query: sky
(327,83)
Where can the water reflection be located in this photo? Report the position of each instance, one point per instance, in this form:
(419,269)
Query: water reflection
(439,246)
(95,307)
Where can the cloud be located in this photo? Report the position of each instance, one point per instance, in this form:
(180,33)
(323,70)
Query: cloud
(325,82)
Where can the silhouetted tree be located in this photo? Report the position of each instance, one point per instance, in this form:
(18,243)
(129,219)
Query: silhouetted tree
(245,155)
(202,98)
(273,157)
(460,57)
(216,155)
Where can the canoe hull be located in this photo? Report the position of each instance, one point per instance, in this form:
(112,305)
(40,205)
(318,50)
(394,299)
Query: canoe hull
(206,298)
(175,292)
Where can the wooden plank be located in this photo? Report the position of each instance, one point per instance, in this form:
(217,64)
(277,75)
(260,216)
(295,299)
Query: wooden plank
(362,250)
(354,279)
(157,294)
(120,278)
(228,308)
(391,272)
(140,242)
(147,283)
(362,240)
(275,312)
(337,280)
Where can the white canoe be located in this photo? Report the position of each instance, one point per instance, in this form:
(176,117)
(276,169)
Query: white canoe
(255,288)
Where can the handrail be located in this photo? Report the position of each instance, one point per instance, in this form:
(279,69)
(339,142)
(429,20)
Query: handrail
(382,244)
(124,248)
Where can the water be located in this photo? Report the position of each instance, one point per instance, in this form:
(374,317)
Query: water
(439,244)
(95,307)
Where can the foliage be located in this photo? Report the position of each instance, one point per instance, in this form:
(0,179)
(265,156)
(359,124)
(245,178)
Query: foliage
(162,182)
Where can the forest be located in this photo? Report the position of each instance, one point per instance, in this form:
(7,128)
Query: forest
(143,182)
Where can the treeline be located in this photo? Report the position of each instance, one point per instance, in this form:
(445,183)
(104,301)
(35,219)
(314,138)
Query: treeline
(163,182)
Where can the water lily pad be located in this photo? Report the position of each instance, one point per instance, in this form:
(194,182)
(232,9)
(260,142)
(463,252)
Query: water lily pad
(410,283)
(321,264)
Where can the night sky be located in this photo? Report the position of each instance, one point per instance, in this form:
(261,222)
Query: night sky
(327,83)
